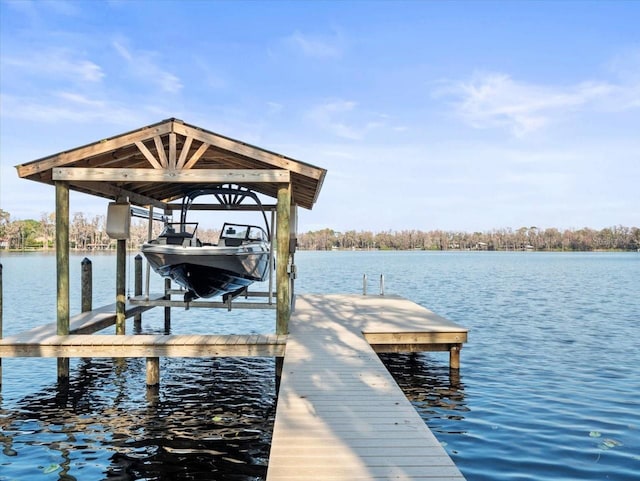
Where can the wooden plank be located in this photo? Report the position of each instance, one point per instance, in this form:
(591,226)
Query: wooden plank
(415,337)
(172,150)
(94,174)
(411,347)
(193,160)
(184,152)
(85,322)
(147,155)
(162,155)
(113,192)
(143,346)
(340,414)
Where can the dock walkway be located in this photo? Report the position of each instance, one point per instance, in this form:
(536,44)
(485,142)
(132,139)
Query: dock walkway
(340,414)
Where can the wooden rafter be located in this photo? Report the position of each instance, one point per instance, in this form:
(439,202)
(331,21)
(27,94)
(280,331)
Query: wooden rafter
(196,156)
(184,152)
(91,150)
(175,148)
(172,150)
(162,156)
(248,151)
(114,192)
(148,155)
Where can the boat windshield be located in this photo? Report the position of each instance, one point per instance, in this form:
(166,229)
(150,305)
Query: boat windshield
(243,232)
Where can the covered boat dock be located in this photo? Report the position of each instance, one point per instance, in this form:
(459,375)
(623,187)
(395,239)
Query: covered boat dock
(340,414)
(157,164)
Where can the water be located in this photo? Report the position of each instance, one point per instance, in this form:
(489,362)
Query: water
(548,387)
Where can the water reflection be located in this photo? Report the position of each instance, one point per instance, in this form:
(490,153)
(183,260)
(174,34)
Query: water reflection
(435,391)
(211,419)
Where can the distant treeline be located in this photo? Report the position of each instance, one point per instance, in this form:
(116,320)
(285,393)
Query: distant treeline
(524,238)
(90,233)
(85,233)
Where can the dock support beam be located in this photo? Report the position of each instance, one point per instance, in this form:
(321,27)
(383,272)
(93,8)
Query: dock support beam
(62,268)
(167,309)
(153,371)
(137,291)
(454,356)
(283,291)
(121,274)
(87,285)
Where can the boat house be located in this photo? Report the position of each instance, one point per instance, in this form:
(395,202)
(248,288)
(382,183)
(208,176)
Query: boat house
(154,165)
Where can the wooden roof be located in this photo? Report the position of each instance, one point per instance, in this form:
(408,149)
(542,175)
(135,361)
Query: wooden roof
(161,162)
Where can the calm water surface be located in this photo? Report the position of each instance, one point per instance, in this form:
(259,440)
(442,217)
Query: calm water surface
(548,390)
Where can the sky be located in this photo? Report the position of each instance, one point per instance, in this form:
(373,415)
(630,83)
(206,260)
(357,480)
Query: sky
(460,116)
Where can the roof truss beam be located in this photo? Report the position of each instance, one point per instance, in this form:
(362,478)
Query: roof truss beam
(214,176)
(248,151)
(94,149)
(114,192)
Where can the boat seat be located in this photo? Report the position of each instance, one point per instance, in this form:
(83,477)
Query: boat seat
(177,238)
(230,242)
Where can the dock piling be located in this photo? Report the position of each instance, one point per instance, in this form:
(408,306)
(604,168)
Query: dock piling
(167,309)
(153,371)
(121,272)
(137,291)
(454,357)
(62,270)
(87,285)
(283,281)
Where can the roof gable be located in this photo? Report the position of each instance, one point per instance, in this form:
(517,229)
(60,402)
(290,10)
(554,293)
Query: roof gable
(159,163)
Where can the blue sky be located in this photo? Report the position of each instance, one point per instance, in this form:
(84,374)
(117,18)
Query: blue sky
(427,115)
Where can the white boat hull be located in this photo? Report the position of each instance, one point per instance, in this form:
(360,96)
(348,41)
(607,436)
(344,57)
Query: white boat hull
(208,271)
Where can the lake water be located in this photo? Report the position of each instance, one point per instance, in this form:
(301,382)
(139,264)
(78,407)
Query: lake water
(549,387)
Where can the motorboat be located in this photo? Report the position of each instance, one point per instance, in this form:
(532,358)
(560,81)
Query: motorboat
(241,256)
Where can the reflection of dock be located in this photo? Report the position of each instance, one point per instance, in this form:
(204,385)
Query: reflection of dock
(340,414)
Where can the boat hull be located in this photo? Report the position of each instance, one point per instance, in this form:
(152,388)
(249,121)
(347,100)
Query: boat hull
(209,271)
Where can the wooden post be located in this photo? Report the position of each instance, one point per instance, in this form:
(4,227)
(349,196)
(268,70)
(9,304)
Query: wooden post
(283,295)
(153,371)
(293,244)
(62,269)
(137,291)
(87,285)
(454,356)
(167,310)
(279,366)
(121,273)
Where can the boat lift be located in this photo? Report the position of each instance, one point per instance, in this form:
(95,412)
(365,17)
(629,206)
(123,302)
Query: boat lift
(229,198)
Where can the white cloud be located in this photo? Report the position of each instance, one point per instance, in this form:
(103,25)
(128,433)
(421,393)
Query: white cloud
(626,65)
(316,46)
(56,63)
(143,65)
(341,118)
(495,100)
(41,9)
(68,106)
(274,108)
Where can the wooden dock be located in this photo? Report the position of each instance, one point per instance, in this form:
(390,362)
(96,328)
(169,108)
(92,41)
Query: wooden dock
(340,414)
(42,341)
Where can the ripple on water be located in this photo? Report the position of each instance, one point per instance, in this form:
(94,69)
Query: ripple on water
(199,426)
